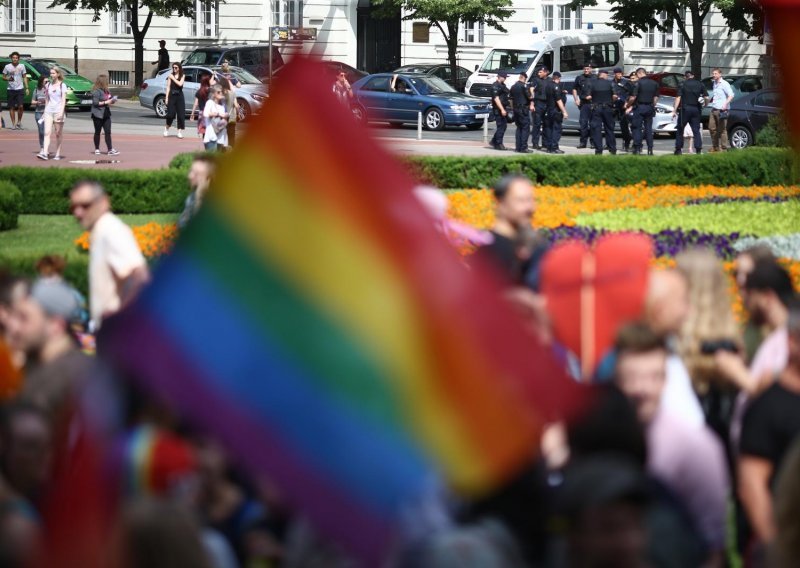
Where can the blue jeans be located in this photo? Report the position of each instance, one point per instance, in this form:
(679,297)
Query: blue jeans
(210,146)
(39,114)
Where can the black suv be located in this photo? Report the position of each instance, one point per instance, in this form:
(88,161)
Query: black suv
(253,58)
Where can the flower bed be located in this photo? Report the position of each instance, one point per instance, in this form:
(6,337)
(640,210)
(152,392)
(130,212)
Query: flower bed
(154,239)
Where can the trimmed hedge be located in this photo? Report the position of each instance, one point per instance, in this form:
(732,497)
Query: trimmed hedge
(76,271)
(10,205)
(184,160)
(754,166)
(45,191)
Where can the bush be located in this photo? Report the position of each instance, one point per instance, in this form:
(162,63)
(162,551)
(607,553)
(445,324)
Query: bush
(184,160)
(10,205)
(754,166)
(76,271)
(774,134)
(45,191)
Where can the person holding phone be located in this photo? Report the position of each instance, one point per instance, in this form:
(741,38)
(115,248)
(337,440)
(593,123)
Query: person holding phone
(215,115)
(54,113)
(101,113)
(176,105)
(40,98)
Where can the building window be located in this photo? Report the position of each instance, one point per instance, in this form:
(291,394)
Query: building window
(562,19)
(654,38)
(288,13)
(206,19)
(118,77)
(473,33)
(120,21)
(19,16)
(421,32)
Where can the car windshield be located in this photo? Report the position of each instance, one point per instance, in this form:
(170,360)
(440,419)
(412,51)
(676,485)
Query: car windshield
(245,77)
(514,61)
(204,57)
(431,86)
(413,69)
(44,67)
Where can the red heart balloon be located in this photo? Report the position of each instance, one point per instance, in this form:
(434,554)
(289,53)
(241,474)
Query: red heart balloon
(592,292)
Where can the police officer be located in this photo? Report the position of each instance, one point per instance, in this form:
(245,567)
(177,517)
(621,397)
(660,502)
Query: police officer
(602,99)
(644,99)
(538,86)
(623,89)
(556,113)
(690,101)
(499,105)
(583,84)
(523,105)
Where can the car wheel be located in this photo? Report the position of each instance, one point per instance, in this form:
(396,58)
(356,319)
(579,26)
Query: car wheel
(475,126)
(434,119)
(359,114)
(740,137)
(160,107)
(244,112)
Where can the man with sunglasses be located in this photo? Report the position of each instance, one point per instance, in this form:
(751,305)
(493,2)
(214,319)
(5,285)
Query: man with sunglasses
(342,89)
(117,269)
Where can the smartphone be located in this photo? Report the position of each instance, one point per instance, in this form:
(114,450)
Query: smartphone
(711,347)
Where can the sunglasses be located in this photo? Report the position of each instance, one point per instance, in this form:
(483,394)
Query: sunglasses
(81,205)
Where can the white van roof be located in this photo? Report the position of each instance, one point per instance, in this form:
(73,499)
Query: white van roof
(541,41)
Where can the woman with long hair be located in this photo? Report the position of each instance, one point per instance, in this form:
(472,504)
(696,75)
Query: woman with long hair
(200,99)
(54,113)
(101,113)
(40,96)
(176,104)
(215,115)
(229,91)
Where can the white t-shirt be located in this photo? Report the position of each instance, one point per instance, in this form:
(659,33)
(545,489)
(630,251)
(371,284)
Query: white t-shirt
(679,399)
(55,94)
(16,83)
(220,133)
(113,255)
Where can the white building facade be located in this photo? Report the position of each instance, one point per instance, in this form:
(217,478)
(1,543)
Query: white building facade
(346,32)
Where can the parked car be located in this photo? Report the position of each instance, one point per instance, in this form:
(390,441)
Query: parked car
(749,113)
(250,95)
(740,85)
(441,105)
(441,70)
(668,83)
(662,121)
(79,88)
(252,58)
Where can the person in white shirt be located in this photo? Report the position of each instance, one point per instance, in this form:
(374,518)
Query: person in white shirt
(216,116)
(17,79)
(54,113)
(117,268)
(721,98)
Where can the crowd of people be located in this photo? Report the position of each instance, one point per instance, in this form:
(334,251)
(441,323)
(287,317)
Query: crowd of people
(688,453)
(537,108)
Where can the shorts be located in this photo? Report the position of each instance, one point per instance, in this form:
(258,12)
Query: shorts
(16,98)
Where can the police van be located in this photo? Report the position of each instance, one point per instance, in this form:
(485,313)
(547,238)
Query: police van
(565,51)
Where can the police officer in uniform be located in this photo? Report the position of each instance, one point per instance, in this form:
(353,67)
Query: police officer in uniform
(644,99)
(602,99)
(583,84)
(523,105)
(623,90)
(689,103)
(499,105)
(538,86)
(556,113)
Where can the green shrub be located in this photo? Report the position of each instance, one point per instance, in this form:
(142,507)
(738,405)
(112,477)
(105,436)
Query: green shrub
(45,191)
(76,271)
(774,134)
(754,166)
(184,160)
(10,205)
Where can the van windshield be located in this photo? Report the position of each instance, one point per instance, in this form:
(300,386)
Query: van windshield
(204,57)
(511,60)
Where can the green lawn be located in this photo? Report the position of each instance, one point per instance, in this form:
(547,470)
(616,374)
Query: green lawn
(55,234)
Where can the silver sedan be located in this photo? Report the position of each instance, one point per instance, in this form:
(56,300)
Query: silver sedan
(250,94)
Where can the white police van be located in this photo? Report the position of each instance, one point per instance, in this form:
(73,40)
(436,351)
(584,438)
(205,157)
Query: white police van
(564,51)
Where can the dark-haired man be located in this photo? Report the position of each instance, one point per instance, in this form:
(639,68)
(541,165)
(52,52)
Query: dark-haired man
(500,95)
(689,103)
(521,99)
(556,113)
(602,97)
(17,79)
(623,89)
(538,89)
(643,99)
(583,86)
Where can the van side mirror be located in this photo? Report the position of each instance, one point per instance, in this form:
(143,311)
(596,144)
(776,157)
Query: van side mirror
(476,67)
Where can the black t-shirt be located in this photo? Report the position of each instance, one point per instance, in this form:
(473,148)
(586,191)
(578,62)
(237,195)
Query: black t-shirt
(501,253)
(583,84)
(539,88)
(645,91)
(163,59)
(554,92)
(500,90)
(622,88)
(520,95)
(771,424)
(690,92)
(602,92)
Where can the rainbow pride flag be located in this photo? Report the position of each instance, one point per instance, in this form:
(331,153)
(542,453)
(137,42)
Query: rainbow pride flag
(313,318)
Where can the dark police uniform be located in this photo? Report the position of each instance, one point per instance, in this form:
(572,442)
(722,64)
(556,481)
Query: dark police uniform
(689,113)
(521,99)
(583,86)
(644,95)
(623,89)
(500,91)
(602,93)
(538,133)
(554,117)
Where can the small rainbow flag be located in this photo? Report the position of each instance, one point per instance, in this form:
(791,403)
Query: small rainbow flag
(315,320)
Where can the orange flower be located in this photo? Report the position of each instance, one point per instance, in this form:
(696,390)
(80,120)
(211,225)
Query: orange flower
(153,238)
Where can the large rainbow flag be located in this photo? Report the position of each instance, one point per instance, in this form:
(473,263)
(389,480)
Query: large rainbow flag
(314,319)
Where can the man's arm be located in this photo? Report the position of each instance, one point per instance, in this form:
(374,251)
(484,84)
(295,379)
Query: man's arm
(498,104)
(754,475)
(130,286)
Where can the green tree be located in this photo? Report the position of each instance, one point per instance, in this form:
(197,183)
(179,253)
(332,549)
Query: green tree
(447,16)
(164,8)
(633,18)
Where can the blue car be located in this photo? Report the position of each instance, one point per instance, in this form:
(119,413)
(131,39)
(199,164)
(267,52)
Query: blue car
(398,98)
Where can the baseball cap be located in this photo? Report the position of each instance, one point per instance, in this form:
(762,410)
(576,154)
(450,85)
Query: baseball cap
(618,70)
(56,299)
(602,71)
(688,73)
(502,74)
(556,74)
(543,68)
